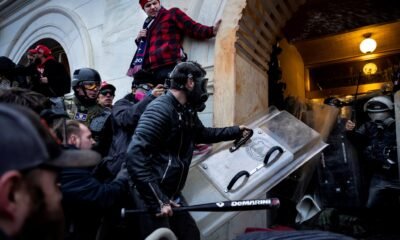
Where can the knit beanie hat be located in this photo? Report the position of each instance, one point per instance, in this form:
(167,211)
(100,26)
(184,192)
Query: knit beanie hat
(143,2)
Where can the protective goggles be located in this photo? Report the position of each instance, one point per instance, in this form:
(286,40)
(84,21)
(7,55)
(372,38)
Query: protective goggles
(91,85)
(146,87)
(106,91)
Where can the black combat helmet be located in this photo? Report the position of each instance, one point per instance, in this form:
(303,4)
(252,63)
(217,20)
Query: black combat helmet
(86,79)
(85,75)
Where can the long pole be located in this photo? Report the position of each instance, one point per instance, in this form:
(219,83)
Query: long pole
(226,206)
(354,110)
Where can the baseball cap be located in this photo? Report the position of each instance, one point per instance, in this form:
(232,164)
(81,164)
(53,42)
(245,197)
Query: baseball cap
(32,51)
(46,51)
(105,85)
(27,143)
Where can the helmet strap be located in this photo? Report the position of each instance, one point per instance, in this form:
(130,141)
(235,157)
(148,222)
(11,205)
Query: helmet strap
(84,99)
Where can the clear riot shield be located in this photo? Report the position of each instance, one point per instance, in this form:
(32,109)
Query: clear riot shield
(280,144)
(340,182)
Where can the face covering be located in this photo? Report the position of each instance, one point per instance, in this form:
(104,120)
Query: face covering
(198,96)
(378,116)
(139,95)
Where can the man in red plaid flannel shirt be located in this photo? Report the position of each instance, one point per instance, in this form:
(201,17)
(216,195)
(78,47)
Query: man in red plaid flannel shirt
(165,37)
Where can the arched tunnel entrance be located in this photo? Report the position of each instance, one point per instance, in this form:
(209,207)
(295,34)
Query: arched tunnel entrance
(320,58)
(312,34)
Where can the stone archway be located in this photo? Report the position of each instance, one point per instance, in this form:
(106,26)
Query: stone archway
(57,50)
(61,25)
(243,46)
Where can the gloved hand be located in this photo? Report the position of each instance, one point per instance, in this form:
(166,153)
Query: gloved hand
(245,130)
(123,174)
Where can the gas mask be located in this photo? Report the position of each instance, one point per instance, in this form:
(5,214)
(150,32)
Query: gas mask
(198,95)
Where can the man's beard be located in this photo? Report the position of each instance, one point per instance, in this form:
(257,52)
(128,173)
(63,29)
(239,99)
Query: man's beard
(40,224)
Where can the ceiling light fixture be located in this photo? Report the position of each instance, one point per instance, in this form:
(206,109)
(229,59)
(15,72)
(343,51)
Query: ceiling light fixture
(368,45)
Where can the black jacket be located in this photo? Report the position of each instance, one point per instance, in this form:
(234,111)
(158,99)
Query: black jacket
(86,200)
(161,150)
(59,81)
(124,118)
(377,142)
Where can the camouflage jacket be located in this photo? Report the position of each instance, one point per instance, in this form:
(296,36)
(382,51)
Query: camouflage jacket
(77,111)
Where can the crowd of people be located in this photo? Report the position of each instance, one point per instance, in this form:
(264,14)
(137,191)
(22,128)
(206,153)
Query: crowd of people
(71,162)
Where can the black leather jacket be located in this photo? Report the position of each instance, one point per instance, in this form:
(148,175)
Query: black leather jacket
(161,149)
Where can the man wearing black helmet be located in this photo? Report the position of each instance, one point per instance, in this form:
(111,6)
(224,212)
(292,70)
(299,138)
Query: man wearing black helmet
(83,105)
(377,139)
(161,150)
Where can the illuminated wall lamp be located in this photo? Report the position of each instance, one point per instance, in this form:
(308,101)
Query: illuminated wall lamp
(370,68)
(368,45)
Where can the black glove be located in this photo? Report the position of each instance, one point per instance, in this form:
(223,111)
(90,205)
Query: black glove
(123,174)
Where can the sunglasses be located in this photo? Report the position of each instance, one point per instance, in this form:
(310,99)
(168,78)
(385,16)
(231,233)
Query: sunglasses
(107,91)
(91,85)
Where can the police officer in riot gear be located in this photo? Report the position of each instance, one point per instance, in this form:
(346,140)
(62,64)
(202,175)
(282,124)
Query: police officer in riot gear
(82,106)
(377,138)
